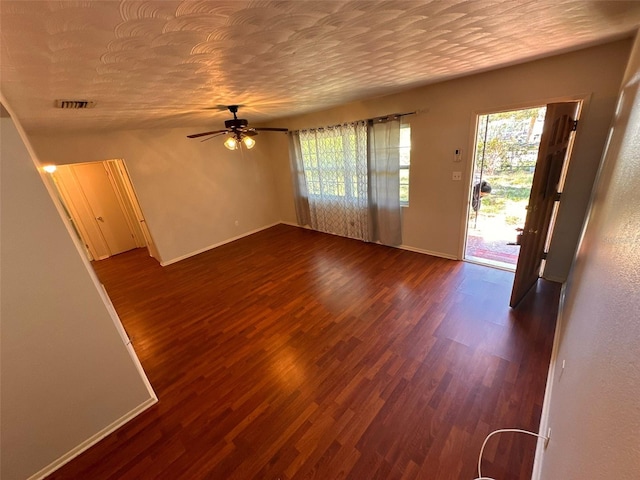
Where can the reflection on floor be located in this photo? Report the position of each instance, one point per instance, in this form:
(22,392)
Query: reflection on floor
(294,354)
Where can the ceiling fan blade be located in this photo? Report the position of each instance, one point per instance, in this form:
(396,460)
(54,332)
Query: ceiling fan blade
(214,136)
(221,107)
(196,135)
(269,129)
(250,132)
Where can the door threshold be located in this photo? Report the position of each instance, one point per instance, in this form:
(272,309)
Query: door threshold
(491,263)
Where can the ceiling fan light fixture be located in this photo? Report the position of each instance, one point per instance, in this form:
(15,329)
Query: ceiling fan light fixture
(249,142)
(231,143)
(238,132)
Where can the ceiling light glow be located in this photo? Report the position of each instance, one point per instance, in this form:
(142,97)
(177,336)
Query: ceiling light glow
(249,142)
(231,143)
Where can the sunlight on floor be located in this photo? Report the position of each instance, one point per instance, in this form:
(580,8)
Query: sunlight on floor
(488,242)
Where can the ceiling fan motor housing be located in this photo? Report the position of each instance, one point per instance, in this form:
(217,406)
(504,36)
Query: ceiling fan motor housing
(236,123)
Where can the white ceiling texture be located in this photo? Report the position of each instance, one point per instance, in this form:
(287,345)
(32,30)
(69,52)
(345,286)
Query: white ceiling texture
(169,63)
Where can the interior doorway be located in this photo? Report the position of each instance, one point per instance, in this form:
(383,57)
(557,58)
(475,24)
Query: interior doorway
(102,206)
(506,151)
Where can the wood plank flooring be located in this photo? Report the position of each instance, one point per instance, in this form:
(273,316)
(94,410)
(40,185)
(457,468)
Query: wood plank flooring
(292,354)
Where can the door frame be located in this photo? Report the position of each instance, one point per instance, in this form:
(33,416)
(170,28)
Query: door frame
(472,162)
(132,197)
(126,197)
(467,169)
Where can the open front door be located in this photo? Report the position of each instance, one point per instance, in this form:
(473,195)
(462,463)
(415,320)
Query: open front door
(557,135)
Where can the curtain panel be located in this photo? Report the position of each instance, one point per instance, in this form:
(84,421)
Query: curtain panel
(300,195)
(345,178)
(384,182)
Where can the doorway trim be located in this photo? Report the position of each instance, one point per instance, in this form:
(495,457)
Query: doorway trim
(125,195)
(585,98)
(477,174)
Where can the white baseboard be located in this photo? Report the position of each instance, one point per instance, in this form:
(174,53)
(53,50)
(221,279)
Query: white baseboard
(210,247)
(291,224)
(402,247)
(67,457)
(127,342)
(281,222)
(428,252)
(544,416)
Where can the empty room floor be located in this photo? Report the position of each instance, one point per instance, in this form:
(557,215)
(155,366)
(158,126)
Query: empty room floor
(292,354)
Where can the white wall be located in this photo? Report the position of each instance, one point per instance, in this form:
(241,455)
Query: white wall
(434,220)
(594,403)
(66,372)
(191,192)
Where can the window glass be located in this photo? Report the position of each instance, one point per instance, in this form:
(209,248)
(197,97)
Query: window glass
(405,161)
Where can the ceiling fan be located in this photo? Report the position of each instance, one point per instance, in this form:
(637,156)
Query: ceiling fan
(238,130)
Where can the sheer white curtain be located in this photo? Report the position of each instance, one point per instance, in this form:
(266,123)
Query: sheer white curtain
(384,181)
(346,180)
(334,161)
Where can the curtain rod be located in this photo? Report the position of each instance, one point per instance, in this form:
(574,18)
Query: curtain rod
(390,116)
(383,118)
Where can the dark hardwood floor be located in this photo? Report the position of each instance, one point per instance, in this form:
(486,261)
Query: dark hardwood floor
(291,354)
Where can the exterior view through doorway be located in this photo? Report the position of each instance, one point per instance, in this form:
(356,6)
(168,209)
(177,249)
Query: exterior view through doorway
(506,151)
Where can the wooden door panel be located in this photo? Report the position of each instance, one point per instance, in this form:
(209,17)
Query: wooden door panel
(80,212)
(554,145)
(105,206)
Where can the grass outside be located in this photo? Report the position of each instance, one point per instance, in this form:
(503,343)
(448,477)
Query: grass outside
(500,213)
(506,152)
(509,197)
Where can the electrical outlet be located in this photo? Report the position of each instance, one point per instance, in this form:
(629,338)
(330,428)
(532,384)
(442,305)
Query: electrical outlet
(457,176)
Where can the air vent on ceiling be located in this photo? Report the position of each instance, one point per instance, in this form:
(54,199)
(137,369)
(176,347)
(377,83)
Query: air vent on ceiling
(76,104)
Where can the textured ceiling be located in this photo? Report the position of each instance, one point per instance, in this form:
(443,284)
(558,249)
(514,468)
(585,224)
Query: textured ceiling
(167,63)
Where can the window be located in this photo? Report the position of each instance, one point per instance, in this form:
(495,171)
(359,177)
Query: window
(347,179)
(335,162)
(405,160)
